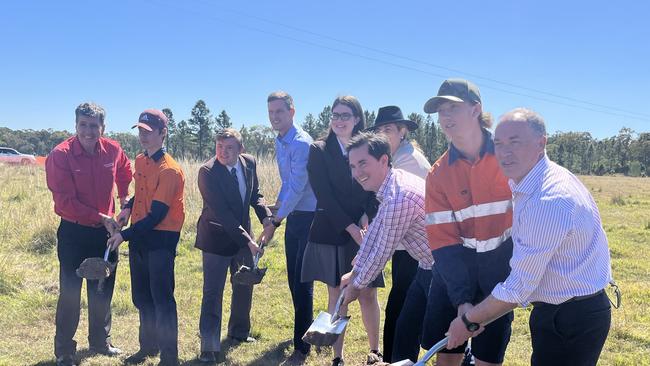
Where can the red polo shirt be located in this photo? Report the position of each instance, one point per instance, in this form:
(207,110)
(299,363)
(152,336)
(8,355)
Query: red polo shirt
(83,185)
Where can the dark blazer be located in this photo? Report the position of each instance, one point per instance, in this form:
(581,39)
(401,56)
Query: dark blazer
(340,199)
(224,225)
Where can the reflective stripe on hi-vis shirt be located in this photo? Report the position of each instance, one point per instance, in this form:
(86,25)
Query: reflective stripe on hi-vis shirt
(481,210)
(486,245)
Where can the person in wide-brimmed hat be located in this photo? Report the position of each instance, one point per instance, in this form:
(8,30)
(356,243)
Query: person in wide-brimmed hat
(406,153)
(406,156)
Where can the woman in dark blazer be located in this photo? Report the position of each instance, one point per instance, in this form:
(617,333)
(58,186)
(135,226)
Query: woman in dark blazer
(340,219)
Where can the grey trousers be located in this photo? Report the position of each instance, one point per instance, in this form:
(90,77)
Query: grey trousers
(215,268)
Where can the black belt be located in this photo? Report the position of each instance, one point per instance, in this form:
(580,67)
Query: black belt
(573,299)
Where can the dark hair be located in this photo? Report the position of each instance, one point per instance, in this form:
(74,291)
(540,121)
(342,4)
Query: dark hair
(90,109)
(281,95)
(377,143)
(229,133)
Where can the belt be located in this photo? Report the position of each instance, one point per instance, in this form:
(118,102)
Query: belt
(93,226)
(573,299)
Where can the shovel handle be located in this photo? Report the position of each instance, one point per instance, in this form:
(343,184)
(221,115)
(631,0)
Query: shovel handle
(256,259)
(432,351)
(108,250)
(339,302)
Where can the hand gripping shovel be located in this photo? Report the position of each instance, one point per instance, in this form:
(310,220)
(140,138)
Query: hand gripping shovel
(96,268)
(326,328)
(250,276)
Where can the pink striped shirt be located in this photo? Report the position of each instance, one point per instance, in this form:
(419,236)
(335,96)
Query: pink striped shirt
(399,220)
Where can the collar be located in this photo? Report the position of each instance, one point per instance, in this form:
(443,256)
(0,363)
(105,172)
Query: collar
(343,150)
(236,166)
(77,149)
(157,155)
(289,136)
(486,147)
(385,189)
(533,180)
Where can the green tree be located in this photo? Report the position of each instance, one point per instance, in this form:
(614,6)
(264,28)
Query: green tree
(223,121)
(201,123)
(310,125)
(171,131)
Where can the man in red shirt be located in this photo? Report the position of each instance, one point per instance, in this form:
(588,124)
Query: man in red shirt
(82,172)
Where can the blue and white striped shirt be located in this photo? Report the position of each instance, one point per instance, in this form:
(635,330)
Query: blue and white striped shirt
(560,248)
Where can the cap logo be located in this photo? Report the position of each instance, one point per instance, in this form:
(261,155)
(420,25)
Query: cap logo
(145,118)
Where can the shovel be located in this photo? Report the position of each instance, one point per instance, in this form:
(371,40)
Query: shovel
(426,357)
(326,328)
(96,268)
(250,276)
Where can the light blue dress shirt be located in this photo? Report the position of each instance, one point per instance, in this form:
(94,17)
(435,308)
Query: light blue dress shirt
(292,153)
(560,247)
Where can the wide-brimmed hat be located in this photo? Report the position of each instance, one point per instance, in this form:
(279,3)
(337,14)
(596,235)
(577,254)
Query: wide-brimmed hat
(391,114)
(455,90)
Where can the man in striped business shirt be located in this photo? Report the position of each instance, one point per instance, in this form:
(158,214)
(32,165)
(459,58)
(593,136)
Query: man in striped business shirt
(560,262)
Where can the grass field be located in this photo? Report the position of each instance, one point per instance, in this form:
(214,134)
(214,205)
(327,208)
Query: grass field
(29,282)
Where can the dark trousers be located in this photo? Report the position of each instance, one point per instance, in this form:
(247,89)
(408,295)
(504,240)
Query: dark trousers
(302,293)
(74,244)
(408,331)
(152,291)
(403,270)
(215,268)
(572,333)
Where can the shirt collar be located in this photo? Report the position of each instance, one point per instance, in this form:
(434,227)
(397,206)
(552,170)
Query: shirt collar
(386,186)
(289,136)
(486,147)
(533,180)
(157,155)
(236,166)
(343,150)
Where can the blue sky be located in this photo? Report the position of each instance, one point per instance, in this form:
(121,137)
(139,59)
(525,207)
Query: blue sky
(584,66)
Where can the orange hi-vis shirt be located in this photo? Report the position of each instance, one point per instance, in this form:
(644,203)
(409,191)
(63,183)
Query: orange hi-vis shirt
(468,203)
(159,180)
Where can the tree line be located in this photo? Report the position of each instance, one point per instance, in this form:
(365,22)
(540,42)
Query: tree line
(627,153)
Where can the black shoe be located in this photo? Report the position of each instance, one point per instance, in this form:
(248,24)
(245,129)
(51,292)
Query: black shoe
(66,360)
(208,357)
(169,362)
(243,340)
(139,357)
(107,350)
(338,362)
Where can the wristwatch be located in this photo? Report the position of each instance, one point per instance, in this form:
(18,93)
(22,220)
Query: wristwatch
(471,327)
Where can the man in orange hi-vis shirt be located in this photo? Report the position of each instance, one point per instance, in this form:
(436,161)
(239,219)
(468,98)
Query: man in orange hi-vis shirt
(157,215)
(468,219)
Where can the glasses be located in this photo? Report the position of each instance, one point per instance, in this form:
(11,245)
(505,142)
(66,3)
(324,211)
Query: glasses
(343,116)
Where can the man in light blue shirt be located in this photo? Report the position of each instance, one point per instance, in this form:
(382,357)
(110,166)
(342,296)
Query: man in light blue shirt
(560,261)
(296,203)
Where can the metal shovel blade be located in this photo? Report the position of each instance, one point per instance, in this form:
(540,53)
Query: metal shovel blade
(326,328)
(248,276)
(95,268)
(426,357)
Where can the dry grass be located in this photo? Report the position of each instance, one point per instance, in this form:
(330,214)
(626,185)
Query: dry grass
(29,282)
